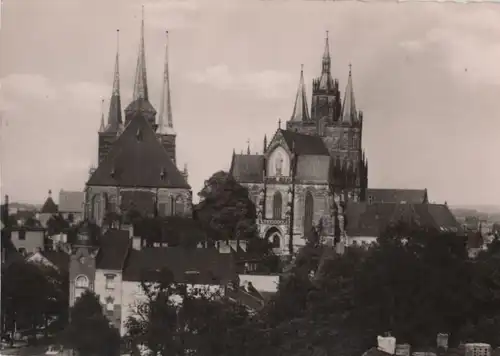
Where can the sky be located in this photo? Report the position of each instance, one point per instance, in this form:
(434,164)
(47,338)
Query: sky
(425,74)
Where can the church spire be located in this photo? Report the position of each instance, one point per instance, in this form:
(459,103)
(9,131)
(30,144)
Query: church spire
(349,107)
(115,107)
(165,121)
(326,56)
(102,127)
(300,110)
(141,82)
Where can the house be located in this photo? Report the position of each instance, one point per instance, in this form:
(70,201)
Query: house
(27,239)
(71,205)
(115,267)
(48,209)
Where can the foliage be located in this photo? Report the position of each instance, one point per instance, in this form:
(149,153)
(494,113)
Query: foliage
(175,319)
(89,331)
(33,295)
(226,207)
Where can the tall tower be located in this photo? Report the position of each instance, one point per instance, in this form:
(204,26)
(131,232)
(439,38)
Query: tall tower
(325,104)
(166,132)
(140,103)
(108,133)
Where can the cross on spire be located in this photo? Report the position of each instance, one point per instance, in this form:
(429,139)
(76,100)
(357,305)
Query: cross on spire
(279,123)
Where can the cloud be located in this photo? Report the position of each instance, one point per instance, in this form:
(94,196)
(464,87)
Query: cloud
(267,84)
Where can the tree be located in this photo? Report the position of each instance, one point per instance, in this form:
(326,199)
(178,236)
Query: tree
(175,318)
(56,225)
(32,295)
(89,331)
(226,207)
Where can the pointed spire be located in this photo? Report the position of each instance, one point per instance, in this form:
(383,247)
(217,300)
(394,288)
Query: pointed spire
(115,107)
(248,146)
(165,122)
(265,144)
(300,110)
(349,107)
(326,56)
(102,127)
(141,82)
(279,123)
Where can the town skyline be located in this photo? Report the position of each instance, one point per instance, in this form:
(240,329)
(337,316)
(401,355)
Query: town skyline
(419,91)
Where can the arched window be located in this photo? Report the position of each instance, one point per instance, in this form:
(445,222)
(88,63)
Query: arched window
(277,205)
(179,206)
(308,212)
(276,241)
(81,285)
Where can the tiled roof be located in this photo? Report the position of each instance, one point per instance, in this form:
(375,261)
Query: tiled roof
(304,144)
(137,159)
(49,207)
(198,266)
(247,168)
(59,258)
(414,196)
(114,245)
(365,219)
(314,168)
(71,202)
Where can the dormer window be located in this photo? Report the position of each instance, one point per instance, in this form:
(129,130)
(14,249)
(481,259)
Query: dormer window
(163,174)
(113,172)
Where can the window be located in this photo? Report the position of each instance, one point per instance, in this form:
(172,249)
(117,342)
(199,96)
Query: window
(110,305)
(370,199)
(110,281)
(277,205)
(276,241)
(308,213)
(279,166)
(81,285)
(22,234)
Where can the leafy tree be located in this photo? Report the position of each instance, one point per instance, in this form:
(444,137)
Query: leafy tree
(32,295)
(89,331)
(226,207)
(176,319)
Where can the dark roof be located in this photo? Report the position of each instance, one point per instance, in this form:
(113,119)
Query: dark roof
(59,258)
(140,104)
(247,168)
(137,159)
(114,245)
(304,144)
(198,266)
(49,207)
(414,196)
(374,351)
(365,219)
(314,168)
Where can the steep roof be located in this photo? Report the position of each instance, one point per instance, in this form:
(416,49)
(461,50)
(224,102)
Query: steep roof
(247,168)
(71,202)
(365,219)
(60,259)
(114,245)
(137,159)
(314,168)
(198,266)
(415,196)
(49,207)
(304,144)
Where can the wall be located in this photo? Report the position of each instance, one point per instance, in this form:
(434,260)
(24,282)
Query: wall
(116,294)
(263,283)
(78,267)
(133,295)
(33,239)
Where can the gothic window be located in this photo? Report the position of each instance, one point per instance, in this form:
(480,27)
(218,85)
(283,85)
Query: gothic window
(81,285)
(162,209)
(276,241)
(279,165)
(179,206)
(308,212)
(277,205)
(355,141)
(345,140)
(172,206)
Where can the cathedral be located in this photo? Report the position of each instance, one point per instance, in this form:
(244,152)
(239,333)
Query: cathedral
(137,154)
(312,168)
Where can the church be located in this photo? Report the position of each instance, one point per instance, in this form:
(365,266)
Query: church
(137,154)
(313,172)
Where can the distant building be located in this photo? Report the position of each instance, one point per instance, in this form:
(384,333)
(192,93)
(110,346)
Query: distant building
(27,239)
(313,169)
(48,209)
(72,205)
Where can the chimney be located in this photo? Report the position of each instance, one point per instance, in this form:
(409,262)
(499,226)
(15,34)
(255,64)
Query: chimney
(387,344)
(442,341)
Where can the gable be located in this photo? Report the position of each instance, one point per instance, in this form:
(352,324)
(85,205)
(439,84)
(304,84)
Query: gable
(278,162)
(300,144)
(137,159)
(247,168)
